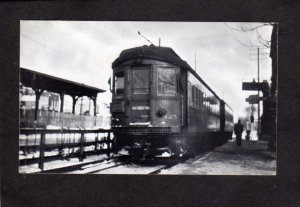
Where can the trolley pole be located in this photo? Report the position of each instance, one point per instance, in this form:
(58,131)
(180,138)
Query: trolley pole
(258,107)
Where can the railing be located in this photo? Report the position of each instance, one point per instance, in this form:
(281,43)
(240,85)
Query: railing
(38,144)
(45,117)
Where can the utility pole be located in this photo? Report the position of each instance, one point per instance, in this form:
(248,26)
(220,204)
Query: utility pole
(255,86)
(258,106)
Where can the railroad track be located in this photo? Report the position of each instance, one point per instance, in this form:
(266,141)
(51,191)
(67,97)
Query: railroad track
(134,166)
(156,172)
(81,166)
(122,163)
(175,161)
(105,168)
(171,163)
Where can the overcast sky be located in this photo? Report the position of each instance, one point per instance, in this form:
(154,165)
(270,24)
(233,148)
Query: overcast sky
(83,51)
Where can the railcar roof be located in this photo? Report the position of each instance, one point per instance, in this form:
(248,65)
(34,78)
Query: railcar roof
(166,54)
(152,52)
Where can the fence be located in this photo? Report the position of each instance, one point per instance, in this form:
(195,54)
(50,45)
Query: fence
(45,144)
(45,118)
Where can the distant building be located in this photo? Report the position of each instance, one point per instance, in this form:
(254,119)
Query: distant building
(51,102)
(69,104)
(48,101)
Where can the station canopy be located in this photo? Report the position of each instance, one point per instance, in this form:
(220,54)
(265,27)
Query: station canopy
(54,84)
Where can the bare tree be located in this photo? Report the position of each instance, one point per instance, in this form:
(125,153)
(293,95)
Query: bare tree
(246,28)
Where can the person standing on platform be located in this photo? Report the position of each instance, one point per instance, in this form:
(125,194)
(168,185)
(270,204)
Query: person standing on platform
(248,130)
(238,130)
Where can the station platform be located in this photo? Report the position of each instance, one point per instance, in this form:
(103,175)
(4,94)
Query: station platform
(252,158)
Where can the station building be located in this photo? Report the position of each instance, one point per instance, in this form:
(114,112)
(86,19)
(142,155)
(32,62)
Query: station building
(46,100)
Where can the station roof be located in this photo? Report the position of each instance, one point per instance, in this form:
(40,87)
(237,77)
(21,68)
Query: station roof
(36,80)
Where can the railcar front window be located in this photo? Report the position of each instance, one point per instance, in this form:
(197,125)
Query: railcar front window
(119,83)
(140,81)
(166,81)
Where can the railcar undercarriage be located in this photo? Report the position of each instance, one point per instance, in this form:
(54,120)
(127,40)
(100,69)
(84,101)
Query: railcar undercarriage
(147,142)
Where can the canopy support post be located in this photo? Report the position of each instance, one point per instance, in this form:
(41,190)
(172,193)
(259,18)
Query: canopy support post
(61,95)
(75,98)
(38,93)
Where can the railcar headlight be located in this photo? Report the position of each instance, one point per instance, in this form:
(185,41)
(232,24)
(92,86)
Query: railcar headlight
(161,112)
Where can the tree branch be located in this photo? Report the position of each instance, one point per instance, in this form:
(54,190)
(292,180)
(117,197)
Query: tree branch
(250,45)
(261,40)
(264,42)
(245,29)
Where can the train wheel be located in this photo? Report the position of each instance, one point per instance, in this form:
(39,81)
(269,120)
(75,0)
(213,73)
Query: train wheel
(140,149)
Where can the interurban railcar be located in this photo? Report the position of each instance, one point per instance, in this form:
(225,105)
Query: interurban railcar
(160,103)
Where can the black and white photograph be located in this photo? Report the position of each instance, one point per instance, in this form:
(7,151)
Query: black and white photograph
(148,97)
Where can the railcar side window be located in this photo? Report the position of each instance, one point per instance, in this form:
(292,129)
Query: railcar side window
(197,97)
(190,99)
(201,98)
(166,81)
(140,79)
(194,95)
(119,82)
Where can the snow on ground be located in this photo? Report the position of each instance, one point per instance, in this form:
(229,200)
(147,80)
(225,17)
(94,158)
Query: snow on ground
(252,158)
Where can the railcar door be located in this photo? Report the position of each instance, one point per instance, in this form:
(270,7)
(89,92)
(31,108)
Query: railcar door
(140,95)
(167,107)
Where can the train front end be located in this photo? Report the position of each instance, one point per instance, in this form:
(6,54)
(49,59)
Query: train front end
(146,103)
